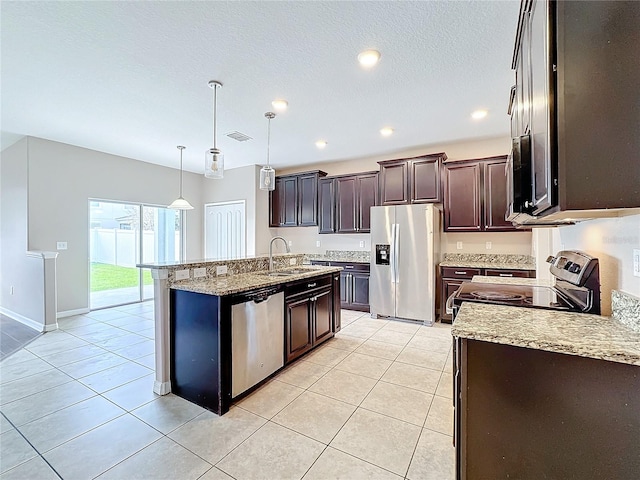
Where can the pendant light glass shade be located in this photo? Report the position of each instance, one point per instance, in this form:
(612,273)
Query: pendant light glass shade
(268,174)
(213,159)
(180,203)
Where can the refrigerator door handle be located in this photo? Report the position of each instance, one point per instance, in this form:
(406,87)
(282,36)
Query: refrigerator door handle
(396,253)
(393,253)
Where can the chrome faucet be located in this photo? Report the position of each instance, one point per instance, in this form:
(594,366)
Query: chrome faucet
(271,250)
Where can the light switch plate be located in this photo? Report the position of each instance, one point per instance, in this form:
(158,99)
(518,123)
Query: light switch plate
(290,243)
(61,245)
(488,245)
(459,245)
(361,243)
(636,262)
(199,272)
(292,261)
(318,243)
(221,270)
(182,274)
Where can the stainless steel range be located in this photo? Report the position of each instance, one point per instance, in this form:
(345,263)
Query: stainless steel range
(576,288)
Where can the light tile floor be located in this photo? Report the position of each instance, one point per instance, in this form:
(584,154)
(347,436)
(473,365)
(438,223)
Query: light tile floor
(372,403)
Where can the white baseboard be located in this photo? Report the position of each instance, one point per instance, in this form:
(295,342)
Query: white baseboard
(22,319)
(71,313)
(162,388)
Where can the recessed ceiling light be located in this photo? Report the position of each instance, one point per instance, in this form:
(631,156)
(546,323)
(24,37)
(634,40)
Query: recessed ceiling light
(280,104)
(386,131)
(369,58)
(321,144)
(479,114)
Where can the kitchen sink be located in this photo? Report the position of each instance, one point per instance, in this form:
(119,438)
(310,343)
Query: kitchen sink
(286,273)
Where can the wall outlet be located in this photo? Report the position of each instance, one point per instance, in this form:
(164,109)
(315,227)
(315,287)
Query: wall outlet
(11,291)
(488,245)
(290,243)
(182,274)
(199,272)
(636,262)
(318,243)
(221,270)
(61,245)
(459,245)
(361,243)
(292,261)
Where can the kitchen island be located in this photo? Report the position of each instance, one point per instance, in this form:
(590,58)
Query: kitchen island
(206,290)
(545,394)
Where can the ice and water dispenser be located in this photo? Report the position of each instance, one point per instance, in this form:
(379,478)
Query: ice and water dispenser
(383,254)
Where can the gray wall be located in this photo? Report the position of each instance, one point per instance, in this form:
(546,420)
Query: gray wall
(62,179)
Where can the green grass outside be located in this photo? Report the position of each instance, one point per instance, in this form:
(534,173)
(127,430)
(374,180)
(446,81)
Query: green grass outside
(108,277)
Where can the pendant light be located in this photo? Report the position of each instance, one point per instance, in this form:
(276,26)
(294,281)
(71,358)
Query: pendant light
(180,203)
(213,159)
(268,174)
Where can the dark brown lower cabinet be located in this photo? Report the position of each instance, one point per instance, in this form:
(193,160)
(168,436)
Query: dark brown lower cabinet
(531,414)
(337,303)
(308,321)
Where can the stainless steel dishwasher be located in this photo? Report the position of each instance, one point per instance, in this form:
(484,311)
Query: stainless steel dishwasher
(257,338)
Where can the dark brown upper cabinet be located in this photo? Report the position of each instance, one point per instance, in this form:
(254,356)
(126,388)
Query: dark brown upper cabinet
(475,196)
(294,202)
(345,202)
(411,180)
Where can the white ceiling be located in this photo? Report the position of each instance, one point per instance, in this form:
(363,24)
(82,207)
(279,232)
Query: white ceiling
(130,78)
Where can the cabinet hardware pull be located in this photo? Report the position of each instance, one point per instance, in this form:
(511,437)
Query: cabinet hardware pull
(506,274)
(310,285)
(348,266)
(461,273)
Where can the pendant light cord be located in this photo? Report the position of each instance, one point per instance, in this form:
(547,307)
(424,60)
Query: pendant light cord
(215,116)
(268,141)
(180,173)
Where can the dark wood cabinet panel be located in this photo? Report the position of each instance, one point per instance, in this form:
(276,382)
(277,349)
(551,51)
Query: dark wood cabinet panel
(337,304)
(495,196)
(462,197)
(298,327)
(326,217)
(345,281)
(308,200)
(411,180)
(323,312)
(346,205)
(360,289)
(275,204)
(367,191)
(510,273)
(394,183)
(426,180)
(346,201)
(289,205)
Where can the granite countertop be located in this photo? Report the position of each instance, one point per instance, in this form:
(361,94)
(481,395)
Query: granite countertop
(533,282)
(228,285)
(482,260)
(333,258)
(580,334)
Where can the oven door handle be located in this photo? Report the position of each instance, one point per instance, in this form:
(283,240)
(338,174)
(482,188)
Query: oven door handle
(449,305)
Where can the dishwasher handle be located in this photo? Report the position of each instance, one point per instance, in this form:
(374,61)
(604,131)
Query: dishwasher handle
(262,295)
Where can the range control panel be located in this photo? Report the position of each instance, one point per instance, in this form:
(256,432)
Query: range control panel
(572,266)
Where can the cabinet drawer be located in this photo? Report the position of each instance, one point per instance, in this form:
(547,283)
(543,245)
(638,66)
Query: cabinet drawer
(460,272)
(307,285)
(320,262)
(507,273)
(359,267)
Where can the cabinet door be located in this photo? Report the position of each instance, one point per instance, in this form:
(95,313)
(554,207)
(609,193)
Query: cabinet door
(462,198)
(326,216)
(394,183)
(275,204)
(346,218)
(360,291)
(323,312)
(448,288)
(298,327)
(367,191)
(495,197)
(308,200)
(337,304)
(541,77)
(425,180)
(345,288)
(289,199)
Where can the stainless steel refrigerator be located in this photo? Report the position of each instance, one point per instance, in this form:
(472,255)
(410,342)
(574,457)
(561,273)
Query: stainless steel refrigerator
(405,248)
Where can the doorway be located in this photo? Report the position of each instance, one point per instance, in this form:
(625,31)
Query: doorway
(120,234)
(225,230)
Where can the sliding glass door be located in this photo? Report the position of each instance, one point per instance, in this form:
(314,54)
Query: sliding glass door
(120,235)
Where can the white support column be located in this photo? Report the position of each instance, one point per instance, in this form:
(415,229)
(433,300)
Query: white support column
(50,291)
(162,384)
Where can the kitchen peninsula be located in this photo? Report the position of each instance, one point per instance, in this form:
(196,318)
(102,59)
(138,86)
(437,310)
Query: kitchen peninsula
(279,314)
